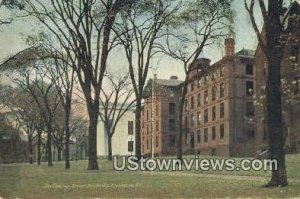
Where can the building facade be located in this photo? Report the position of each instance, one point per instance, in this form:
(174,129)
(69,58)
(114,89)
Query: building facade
(160,116)
(123,140)
(218,109)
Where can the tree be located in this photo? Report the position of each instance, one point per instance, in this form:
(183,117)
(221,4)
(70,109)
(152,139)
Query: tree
(83,29)
(79,133)
(116,101)
(141,26)
(272,45)
(45,96)
(198,24)
(62,75)
(59,132)
(23,110)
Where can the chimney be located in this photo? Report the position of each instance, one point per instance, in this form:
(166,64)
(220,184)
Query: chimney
(229,47)
(174,78)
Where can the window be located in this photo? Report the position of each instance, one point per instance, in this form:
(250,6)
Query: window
(222,90)
(222,110)
(156,110)
(199,100)
(156,126)
(192,140)
(199,118)
(213,76)
(192,86)
(186,105)
(206,116)
(171,140)
(199,82)
(206,135)
(172,125)
(147,115)
(156,142)
(148,144)
(222,131)
(205,79)
(249,69)
(198,136)
(249,88)
(192,102)
(130,127)
(172,108)
(148,131)
(250,133)
(213,113)
(186,138)
(192,120)
(206,96)
(213,133)
(222,72)
(185,122)
(213,93)
(249,109)
(130,146)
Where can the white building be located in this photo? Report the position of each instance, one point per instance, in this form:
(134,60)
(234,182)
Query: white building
(123,140)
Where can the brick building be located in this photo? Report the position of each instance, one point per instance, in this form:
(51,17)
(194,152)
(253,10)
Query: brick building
(218,111)
(159,120)
(290,72)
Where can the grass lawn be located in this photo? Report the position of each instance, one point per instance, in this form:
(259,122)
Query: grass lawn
(32,181)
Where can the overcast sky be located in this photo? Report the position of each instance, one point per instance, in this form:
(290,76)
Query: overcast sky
(12,40)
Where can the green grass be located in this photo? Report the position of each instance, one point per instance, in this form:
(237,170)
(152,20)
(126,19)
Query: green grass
(32,181)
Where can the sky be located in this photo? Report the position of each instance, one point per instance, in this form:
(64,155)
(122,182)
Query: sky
(12,40)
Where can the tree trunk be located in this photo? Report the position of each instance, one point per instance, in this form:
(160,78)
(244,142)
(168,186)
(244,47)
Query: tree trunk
(49,146)
(59,150)
(138,128)
(274,54)
(67,129)
(109,139)
(274,123)
(92,139)
(30,149)
(180,132)
(39,147)
(81,152)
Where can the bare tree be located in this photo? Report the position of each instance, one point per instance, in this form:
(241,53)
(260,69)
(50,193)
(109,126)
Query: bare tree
(46,98)
(83,29)
(199,24)
(79,133)
(23,110)
(116,101)
(271,41)
(62,75)
(139,29)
